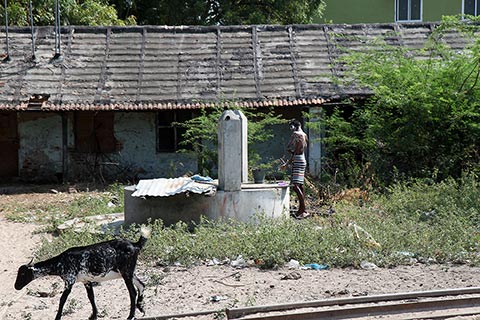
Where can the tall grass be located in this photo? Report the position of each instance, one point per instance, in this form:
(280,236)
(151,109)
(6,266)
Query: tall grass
(414,222)
(52,214)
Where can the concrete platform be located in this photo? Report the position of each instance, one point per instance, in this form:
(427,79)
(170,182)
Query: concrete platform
(270,199)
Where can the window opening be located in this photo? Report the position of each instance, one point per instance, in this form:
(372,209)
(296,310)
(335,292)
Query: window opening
(169,135)
(408,10)
(471,7)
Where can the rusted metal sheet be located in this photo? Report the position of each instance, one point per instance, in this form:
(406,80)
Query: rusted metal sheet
(168,187)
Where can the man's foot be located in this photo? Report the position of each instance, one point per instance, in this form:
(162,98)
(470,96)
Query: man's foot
(302,215)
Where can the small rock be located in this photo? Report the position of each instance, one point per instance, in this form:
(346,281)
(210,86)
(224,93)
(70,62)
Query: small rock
(368,265)
(291,276)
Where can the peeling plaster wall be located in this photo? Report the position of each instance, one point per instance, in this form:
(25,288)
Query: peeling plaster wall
(136,157)
(40,153)
(136,134)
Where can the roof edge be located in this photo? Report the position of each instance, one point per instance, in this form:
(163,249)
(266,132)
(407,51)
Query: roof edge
(156,106)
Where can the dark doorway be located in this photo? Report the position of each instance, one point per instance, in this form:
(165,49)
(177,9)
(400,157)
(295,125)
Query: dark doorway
(8,144)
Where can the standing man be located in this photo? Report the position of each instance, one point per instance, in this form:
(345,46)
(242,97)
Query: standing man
(296,147)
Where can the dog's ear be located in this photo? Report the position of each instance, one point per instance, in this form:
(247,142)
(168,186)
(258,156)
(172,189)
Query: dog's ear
(25,276)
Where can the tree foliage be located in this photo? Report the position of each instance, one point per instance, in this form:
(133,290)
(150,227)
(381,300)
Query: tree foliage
(73,12)
(226,12)
(165,12)
(424,117)
(200,136)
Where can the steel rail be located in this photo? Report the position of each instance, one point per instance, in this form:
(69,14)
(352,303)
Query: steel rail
(375,310)
(240,312)
(183,315)
(356,311)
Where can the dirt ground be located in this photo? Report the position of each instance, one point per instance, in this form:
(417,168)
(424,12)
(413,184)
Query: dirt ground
(176,289)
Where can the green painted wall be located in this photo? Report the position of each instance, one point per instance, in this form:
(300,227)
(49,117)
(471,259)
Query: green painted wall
(358,11)
(433,10)
(371,11)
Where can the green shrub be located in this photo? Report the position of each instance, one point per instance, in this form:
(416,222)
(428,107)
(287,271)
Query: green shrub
(415,222)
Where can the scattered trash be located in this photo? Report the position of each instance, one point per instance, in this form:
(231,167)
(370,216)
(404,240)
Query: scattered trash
(258,262)
(291,276)
(239,263)
(200,178)
(236,276)
(368,265)
(316,266)
(54,191)
(370,241)
(337,293)
(110,204)
(72,190)
(405,253)
(293,264)
(217,298)
(407,257)
(427,215)
(94,224)
(213,262)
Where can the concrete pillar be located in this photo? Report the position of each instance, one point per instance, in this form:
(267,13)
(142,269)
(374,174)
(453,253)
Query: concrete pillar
(232,151)
(315,138)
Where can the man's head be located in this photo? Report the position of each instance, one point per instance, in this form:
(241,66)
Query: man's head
(294,124)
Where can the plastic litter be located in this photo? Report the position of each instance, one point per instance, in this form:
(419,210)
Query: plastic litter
(293,264)
(369,240)
(213,262)
(316,266)
(200,178)
(217,298)
(405,253)
(239,263)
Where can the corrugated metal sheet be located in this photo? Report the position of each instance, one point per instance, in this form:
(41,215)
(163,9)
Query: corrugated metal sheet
(159,67)
(164,187)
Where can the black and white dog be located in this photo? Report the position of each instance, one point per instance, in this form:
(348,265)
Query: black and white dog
(94,263)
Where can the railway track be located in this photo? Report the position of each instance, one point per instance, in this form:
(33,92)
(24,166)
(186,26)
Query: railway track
(437,304)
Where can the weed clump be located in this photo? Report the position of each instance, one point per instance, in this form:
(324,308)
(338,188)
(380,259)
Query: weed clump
(415,222)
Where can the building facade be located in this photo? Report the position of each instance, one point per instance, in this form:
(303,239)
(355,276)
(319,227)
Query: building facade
(106,108)
(387,11)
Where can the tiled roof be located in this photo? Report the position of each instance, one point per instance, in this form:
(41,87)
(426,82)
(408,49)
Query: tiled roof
(160,67)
